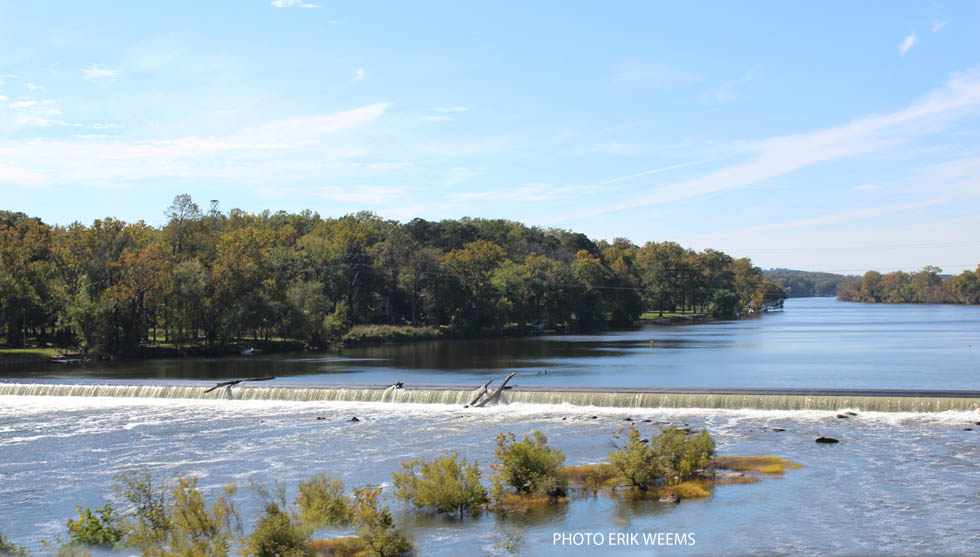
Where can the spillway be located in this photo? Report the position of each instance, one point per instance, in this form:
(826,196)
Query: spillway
(721,398)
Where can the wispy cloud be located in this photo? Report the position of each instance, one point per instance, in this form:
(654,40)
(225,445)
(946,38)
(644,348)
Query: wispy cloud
(781,155)
(834,218)
(652,75)
(529,192)
(906,44)
(290,148)
(937,24)
(361,195)
(868,187)
(358,74)
(292,4)
(450,109)
(100,75)
(727,91)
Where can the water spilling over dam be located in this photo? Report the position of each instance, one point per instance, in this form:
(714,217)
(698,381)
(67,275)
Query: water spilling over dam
(715,398)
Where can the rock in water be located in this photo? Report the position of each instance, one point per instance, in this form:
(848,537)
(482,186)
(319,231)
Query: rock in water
(842,416)
(672,498)
(354,419)
(778,429)
(827,440)
(851,413)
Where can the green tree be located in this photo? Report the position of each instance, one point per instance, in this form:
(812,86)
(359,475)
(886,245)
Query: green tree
(529,466)
(444,484)
(322,502)
(100,528)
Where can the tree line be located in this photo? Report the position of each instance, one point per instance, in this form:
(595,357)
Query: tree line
(805,284)
(208,278)
(928,286)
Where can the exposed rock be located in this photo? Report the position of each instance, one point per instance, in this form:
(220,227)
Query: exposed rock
(318,418)
(672,498)
(778,429)
(827,440)
(354,419)
(627,419)
(649,421)
(967,429)
(842,416)
(851,413)
(595,417)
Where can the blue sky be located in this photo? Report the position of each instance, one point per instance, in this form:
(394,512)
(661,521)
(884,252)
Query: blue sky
(826,136)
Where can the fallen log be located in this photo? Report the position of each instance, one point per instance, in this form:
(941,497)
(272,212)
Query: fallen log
(479,393)
(237,381)
(494,397)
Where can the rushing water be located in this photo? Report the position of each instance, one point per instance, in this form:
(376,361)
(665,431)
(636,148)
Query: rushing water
(814,343)
(900,482)
(897,483)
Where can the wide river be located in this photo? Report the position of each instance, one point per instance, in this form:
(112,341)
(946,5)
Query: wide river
(898,483)
(814,343)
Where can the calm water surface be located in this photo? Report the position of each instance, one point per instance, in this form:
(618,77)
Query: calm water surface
(815,342)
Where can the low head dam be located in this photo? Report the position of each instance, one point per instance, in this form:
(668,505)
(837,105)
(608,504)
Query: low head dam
(619,397)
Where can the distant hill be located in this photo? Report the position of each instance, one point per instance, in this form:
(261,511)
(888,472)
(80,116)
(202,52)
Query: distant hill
(801,284)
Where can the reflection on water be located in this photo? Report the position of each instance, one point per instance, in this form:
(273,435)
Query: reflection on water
(815,342)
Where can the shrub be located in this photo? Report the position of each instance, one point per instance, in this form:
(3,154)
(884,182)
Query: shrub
(377,527)
(445,484)
(591,477)
(322,502)
(10,549)
(149,502)
(277,535)
(670,457)
(529,466)
(102,528)
(350,546)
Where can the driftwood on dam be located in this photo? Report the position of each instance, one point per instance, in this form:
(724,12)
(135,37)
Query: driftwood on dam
(479,393)
(494,397)
(229,384)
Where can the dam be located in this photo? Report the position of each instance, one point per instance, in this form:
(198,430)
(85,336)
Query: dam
(870,400)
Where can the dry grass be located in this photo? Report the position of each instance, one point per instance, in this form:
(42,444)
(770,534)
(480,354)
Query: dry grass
(592,477)
(513,503)
(349,546)
(691,489)
(759,464)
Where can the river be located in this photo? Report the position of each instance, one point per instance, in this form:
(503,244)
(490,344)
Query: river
(898,483)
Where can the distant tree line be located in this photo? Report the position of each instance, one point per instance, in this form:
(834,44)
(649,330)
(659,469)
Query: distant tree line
(210,278)
(927,286)
(805,284)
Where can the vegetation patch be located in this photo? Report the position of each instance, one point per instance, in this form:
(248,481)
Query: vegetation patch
(348,546)
(758,464)
(444,484)
(591,477)
(389,334)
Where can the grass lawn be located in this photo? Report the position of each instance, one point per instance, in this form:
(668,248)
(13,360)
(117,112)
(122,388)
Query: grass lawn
(29,352)
(667,314)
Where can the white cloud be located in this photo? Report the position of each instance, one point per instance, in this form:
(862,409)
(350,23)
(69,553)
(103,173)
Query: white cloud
(842,216)
(781,155)
(937,25)
(283,149)
(100,75)
(906,44)
(358,74)
(361,195)
(727,91)
(292,4)
(652,75)
(31,86)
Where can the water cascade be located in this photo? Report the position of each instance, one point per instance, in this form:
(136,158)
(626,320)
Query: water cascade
(768,400)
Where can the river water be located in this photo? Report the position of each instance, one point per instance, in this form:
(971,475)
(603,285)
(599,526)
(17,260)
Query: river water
(898,483)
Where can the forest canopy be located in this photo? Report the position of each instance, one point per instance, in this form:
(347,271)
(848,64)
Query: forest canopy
(207,279)
(927,286)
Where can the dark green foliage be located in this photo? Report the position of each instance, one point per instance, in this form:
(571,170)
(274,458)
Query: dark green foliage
(444,484)
(927,286)
(529,466)
(100,528)
(670,457)
(277,534)
(801,284)
(9,548)
(209,282)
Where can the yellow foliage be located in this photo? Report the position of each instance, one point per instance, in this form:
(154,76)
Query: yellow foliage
(349,546)
(760,464)
(591,476)
(513,502)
